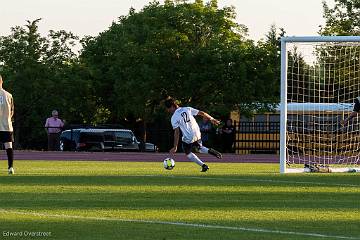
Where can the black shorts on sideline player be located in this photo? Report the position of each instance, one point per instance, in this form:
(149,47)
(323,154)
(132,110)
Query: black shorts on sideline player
(6,137)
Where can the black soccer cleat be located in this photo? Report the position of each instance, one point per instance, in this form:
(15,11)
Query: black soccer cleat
(215,153)
(204,168)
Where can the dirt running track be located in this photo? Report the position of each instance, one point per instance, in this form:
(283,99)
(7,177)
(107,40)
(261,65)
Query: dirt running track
(133,157)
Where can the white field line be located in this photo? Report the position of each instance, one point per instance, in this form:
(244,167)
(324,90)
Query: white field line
(182,224)
(250,180)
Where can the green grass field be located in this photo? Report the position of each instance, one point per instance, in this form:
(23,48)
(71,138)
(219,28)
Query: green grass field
(123,200)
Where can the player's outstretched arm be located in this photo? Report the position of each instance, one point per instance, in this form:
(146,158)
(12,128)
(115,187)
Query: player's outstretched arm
(210,118)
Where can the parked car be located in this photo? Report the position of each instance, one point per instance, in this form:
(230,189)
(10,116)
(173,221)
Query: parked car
(93,139)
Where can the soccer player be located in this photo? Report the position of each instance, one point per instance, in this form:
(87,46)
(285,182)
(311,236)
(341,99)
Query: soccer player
(355,111)
(183,120)
(6,128)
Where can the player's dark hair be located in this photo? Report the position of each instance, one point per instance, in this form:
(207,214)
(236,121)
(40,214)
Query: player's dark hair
(169,102)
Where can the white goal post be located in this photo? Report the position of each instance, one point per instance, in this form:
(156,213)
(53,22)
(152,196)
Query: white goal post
(320,79)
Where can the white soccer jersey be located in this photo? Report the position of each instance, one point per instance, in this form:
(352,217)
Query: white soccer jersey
(183,118)
(6,111)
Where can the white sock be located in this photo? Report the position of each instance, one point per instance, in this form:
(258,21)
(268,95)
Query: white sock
(203,149)
(195,159)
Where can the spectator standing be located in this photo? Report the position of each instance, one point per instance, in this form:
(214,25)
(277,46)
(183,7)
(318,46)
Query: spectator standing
(205,129)
(228,136)
(53,127)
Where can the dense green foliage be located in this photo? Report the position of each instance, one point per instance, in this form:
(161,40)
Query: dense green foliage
(112,200)
(33,68)
(342,19)
(195,52)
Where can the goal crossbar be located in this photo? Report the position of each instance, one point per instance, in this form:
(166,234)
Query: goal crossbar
(321,39)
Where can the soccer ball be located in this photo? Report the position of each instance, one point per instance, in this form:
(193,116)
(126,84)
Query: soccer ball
(169,163)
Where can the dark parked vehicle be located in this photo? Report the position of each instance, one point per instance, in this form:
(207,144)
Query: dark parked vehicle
(93,139)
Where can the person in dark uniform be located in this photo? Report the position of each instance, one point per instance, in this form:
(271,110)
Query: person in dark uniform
(228,136)
(353,114)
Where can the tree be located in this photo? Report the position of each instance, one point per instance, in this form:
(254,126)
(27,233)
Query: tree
(266,59)
(42,74)
(194,52)
(342,19)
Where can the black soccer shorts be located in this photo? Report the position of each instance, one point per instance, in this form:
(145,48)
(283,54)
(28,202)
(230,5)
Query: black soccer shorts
(189,147)
(6,136)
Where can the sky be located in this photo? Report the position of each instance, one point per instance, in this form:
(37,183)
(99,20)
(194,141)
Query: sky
(90,17)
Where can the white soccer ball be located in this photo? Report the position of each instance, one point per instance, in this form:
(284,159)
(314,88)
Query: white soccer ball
(169,163)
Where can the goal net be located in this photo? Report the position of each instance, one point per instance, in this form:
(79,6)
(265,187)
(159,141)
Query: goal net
(320,79)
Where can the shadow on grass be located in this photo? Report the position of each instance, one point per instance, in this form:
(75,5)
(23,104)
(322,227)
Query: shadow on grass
(119,192)
(296,180)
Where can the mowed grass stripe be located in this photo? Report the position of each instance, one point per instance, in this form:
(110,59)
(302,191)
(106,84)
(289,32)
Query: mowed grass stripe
(62,216)
(249,196)
(254,172)
(270,181)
